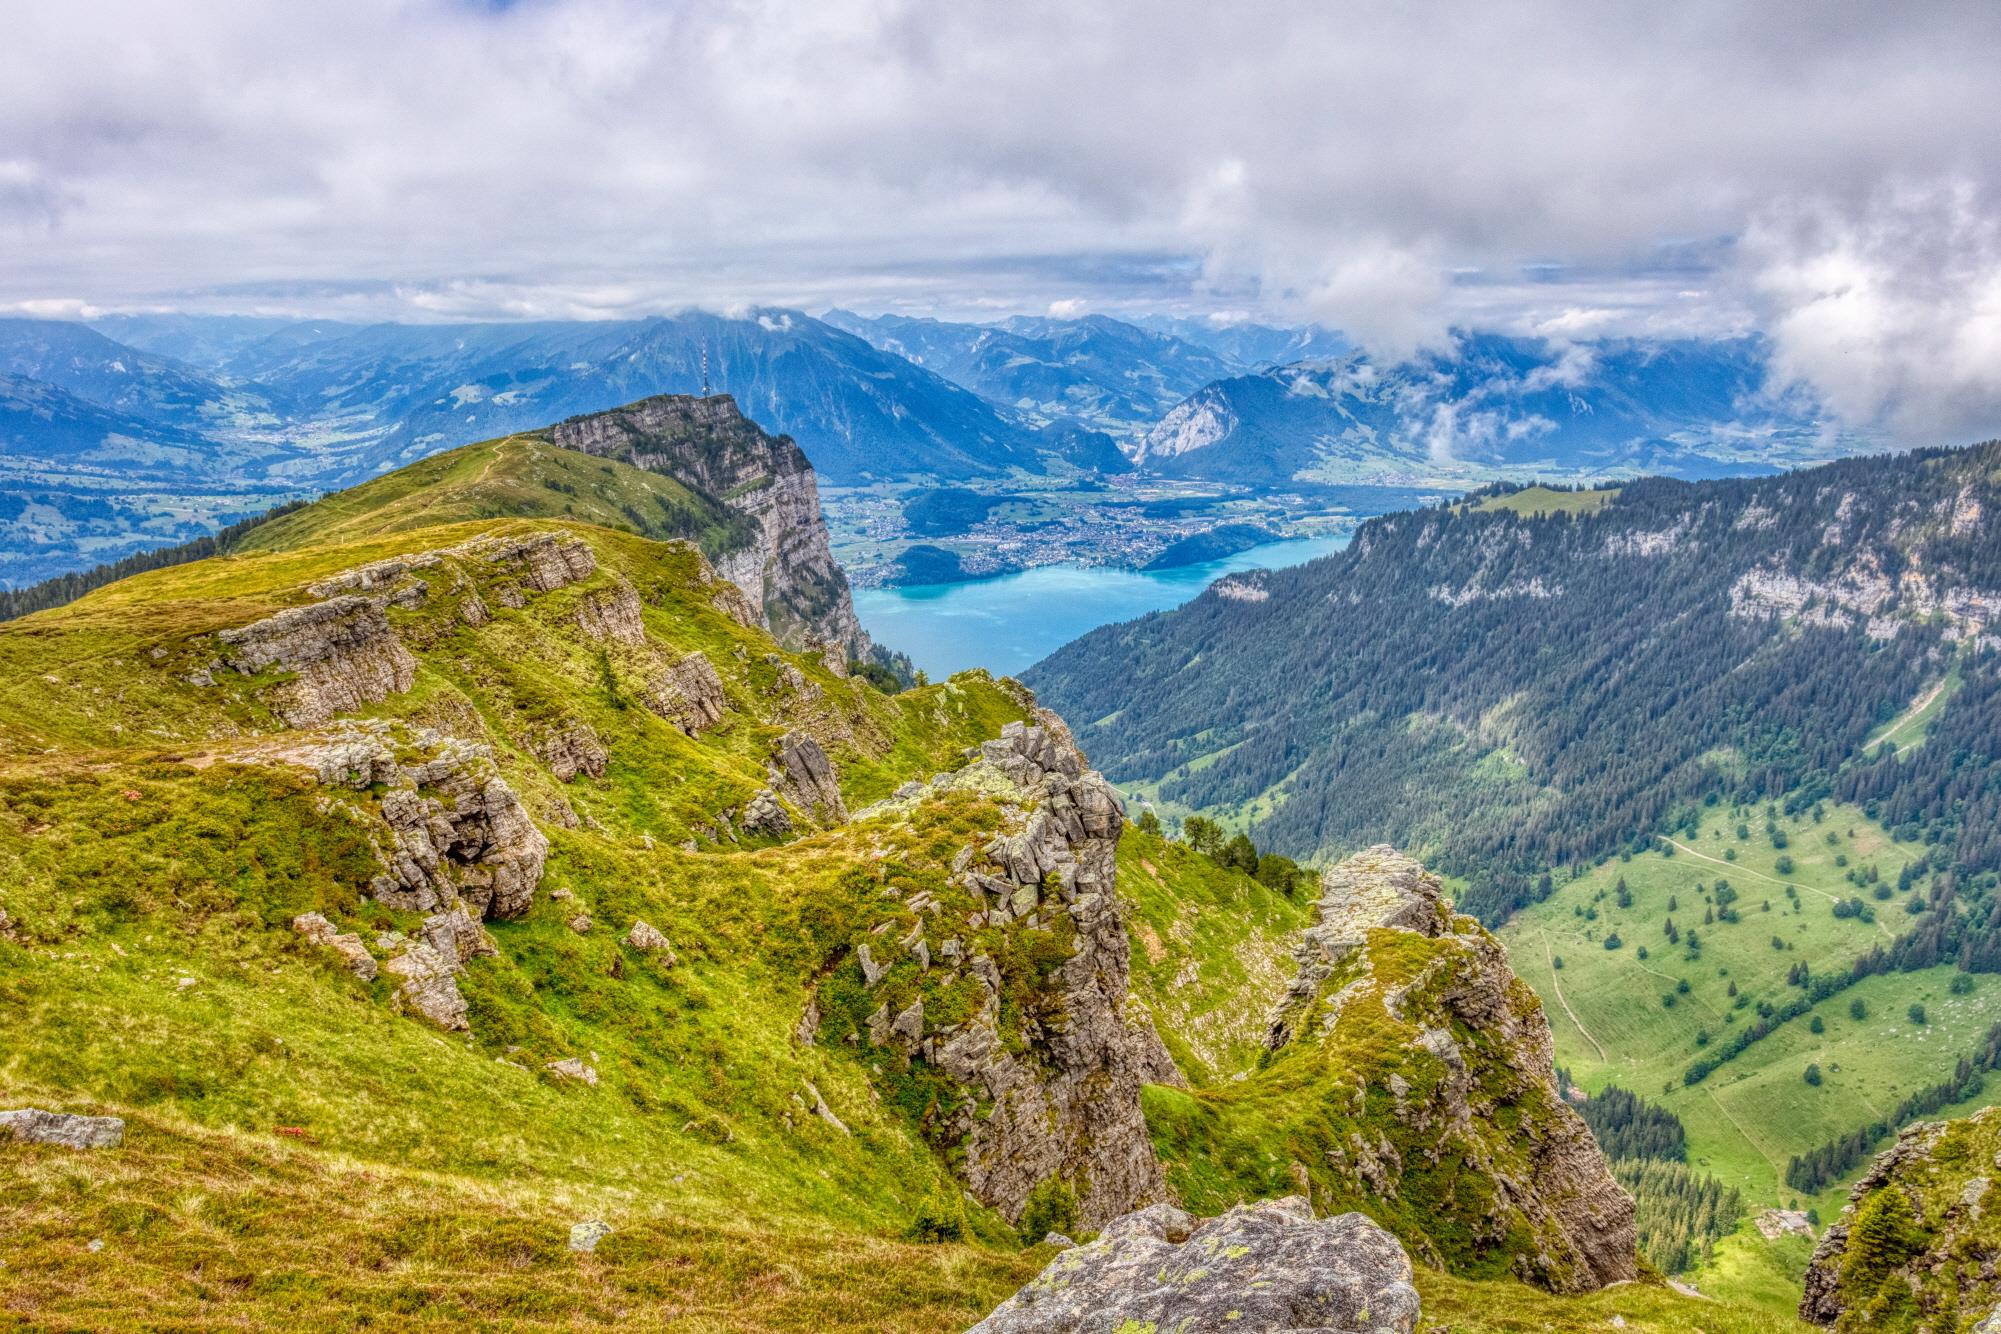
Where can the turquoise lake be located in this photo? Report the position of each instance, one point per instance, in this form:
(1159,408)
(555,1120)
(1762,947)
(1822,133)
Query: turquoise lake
(1012,622)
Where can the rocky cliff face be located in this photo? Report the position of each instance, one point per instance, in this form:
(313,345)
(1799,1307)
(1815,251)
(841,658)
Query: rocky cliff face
(1004,991)
(1918,1244)
(709,445)
(1474,1079)
(1410,1078)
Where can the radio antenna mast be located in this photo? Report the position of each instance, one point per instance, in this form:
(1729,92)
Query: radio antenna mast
(705,368)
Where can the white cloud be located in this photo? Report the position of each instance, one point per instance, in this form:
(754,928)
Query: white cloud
(1578,170)
(1387,299)
(1891,314)
(1069,308)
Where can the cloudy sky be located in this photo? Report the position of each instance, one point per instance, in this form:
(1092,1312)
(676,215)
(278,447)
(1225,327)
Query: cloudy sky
(1825,174)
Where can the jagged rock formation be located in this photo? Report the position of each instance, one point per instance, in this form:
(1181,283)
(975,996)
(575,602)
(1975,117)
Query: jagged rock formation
(707,444)
(343,651)
(804,775)
(689,694)
(1269,1266)
(1411,1077)
(1046,1070)
(460,847)
(1918,1245)
(457,830)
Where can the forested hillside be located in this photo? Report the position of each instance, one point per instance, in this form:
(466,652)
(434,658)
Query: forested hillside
(1508,691)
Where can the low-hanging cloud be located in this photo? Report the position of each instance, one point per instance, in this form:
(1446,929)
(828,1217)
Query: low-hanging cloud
(1891,314)
(1396,169)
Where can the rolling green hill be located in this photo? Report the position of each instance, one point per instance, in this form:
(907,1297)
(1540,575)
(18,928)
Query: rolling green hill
(519,477)
(1755,1111)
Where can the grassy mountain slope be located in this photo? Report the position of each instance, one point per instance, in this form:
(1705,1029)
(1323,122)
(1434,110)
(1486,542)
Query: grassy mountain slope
(193,759)
(165,835)
(518,476)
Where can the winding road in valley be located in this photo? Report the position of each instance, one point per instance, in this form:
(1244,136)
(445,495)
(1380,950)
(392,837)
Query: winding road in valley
(1556,985)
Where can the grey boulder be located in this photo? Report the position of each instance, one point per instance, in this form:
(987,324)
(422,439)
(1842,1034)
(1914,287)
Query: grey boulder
(1268,1266)
(35,1126)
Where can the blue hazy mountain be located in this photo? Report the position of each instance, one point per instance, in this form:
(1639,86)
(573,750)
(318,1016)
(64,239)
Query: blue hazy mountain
(125,380)
(1494,406)
(1094,372)
(108,446)
(82,484)
(859,413)
(1250,345)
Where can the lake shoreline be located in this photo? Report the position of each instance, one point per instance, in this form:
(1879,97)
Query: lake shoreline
(1009,622)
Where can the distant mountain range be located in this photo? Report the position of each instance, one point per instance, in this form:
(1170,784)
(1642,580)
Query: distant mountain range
(410,390)
(140,430)
(156,429)
(1095,371)
(1495,407)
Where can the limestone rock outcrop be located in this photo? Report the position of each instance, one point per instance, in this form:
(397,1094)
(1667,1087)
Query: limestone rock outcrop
(460,833)
(457,830)
(571,748)
(689,694)
(613,614)
(1057,1098)
(343,653)
(427,966)
(804,775)
(787,568)
(1402,995)
(1270,1266)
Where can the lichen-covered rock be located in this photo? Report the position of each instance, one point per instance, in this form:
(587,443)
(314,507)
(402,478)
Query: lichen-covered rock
(354,954)
(689,694)
(648,939)
(804,774)
(343,652)
(1409,1048)
(31,1125)
(586,1235)
(1049,1085)
(1260,1267)
(1916,1244)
